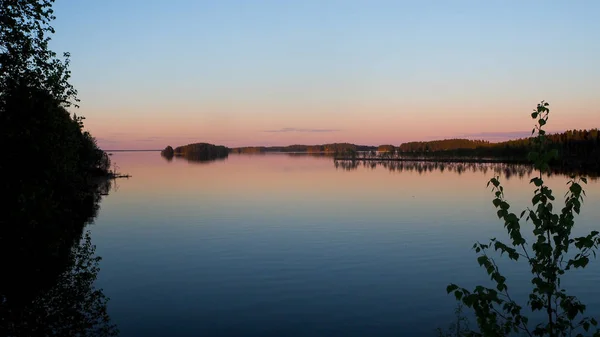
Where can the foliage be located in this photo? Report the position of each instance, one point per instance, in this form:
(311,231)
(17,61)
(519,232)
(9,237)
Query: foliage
(49,170)
(25,60)
(201,151)
(35,93)
(442,145)
(575,149)
(548,256)
(386,148)
(249,149)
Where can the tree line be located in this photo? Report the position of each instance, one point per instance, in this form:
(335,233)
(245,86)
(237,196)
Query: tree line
(325,148)
(575,148)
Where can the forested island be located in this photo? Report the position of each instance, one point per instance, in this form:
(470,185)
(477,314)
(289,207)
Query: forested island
(207,151)
(197,152)
(324,148)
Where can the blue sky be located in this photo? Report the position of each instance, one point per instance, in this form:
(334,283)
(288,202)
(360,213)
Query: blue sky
(368,71)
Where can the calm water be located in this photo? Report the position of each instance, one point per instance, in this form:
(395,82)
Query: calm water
(279,245)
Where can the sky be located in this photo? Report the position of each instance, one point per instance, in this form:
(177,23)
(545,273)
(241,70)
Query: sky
(152,73)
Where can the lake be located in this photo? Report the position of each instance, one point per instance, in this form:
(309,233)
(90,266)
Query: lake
(282,245)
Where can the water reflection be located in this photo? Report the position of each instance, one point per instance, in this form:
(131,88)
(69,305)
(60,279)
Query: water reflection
(49,267)
(506,170)
(196,160)
(285,245)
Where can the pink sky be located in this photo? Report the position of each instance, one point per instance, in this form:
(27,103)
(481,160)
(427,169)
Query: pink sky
(127,129)
(241,73)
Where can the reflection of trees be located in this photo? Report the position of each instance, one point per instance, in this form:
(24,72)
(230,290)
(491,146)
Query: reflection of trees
(201,159)
(311,154)
(347,165)
(71,306)
(506,170)
(49,267)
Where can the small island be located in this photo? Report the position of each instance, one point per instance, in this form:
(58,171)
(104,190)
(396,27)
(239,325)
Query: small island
(197,152)
(168,152)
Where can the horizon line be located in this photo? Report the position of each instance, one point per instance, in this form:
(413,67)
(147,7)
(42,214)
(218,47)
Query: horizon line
(464,136)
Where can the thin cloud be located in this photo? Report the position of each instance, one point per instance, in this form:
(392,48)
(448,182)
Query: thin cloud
(302,130)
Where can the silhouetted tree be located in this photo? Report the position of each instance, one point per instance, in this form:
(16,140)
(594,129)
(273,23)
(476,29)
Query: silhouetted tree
(49,170)
(35,93)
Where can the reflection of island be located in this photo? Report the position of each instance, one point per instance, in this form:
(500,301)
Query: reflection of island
(49,267)
(507,170)
(198,152)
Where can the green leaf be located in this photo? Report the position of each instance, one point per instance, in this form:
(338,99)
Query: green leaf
(536,199)
(580,262)
(469,300)
(534,115)
(586,326)
(495,182)
(501,287)
(537,181)
(450,288)
(575,188)
(482,260)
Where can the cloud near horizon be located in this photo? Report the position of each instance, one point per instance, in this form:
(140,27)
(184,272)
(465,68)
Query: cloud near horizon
(302,130)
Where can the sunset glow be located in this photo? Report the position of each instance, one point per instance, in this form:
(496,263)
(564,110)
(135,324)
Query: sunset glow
(238,73)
